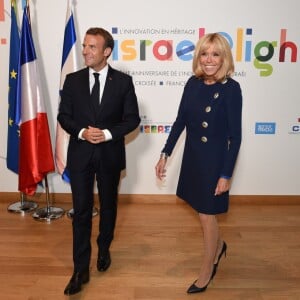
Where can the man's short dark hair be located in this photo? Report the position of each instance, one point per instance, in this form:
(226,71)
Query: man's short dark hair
(109,41)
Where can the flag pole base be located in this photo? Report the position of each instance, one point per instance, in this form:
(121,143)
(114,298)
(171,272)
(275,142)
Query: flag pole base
(47,214)
(22,207)
(70,212)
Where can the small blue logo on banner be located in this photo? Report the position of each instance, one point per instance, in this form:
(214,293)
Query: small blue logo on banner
(265,128)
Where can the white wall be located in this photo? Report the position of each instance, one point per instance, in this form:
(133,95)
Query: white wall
(267,164)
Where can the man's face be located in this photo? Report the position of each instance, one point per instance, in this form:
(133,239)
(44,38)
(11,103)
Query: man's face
(95,56)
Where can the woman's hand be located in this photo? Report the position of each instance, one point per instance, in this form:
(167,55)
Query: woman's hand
(223,186)
(160,168)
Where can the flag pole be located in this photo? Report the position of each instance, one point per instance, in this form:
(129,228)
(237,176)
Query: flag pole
(23,206)
(69,65)
(70,212)
(12,159)
(49,212)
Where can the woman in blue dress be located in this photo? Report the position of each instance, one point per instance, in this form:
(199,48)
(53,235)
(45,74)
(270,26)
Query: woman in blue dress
(210,112)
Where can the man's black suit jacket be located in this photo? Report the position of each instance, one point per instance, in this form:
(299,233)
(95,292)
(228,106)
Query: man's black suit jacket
(118,112)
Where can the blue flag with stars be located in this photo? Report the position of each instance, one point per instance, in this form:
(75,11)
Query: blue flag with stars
(13,131)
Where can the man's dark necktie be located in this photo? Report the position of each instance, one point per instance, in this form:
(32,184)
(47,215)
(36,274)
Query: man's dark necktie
(95,95)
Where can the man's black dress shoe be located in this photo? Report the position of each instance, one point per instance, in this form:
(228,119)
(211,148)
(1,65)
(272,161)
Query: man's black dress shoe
(103,262)
(77,279)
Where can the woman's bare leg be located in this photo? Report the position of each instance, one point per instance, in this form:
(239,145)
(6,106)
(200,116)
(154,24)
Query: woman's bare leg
(211,239)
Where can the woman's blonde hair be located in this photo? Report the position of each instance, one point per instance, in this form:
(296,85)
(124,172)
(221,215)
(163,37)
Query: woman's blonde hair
(222,46)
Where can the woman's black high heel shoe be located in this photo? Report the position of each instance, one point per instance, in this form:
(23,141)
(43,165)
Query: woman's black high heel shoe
(195,289)
(223,251)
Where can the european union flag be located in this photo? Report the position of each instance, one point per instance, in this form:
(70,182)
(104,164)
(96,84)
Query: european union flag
(12,160)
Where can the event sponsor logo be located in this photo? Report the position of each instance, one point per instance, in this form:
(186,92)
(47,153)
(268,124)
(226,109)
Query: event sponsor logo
(265,128)
(295,128)
(155,128)
(166,45)
(148,126)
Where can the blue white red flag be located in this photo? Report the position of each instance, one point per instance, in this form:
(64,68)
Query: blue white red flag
(35,153)
(69,64)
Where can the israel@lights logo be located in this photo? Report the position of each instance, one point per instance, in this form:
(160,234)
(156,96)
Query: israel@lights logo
(295,128)
(265,128)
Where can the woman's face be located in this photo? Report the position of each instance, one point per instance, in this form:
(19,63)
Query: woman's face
(210,61)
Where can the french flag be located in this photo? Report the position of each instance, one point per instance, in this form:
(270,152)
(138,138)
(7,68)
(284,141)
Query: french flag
(35,154)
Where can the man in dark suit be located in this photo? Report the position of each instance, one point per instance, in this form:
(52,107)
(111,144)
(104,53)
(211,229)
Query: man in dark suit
(97,119)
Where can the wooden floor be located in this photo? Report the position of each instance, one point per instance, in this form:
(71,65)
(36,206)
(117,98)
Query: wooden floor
(156,254)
